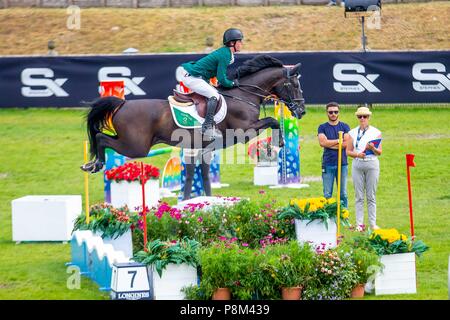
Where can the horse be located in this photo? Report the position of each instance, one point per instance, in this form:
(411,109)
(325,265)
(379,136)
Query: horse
(142,123)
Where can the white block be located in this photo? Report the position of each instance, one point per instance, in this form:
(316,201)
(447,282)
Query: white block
(130,194)
(174,278)
(44,218)
(398,275)
(265,176)
(123,243)
(316,233)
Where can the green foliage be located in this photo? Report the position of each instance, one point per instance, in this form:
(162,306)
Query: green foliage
(314,209)
(252,222)
(160,253)
(285,265)
(193,292)
(110,222)
(227,265)
(334,278)
(385,246)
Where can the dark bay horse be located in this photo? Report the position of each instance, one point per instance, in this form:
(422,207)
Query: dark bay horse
(140,124)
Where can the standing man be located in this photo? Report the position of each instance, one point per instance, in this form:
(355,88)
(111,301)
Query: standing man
(328,135)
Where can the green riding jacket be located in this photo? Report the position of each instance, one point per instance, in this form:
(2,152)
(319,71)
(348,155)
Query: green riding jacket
(213,65)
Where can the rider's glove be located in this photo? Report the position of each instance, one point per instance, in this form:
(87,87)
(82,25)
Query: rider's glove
(235,83)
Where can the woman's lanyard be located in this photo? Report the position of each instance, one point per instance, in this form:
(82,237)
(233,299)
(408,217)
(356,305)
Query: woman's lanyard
(360,136)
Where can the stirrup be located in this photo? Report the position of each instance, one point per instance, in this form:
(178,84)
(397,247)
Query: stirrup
(211,133)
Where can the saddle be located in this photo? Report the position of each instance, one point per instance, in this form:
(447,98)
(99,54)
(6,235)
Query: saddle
(186,99)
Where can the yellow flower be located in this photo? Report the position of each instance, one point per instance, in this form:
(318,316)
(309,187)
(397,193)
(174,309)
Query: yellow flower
(345,214)
(237,229)
(331,200)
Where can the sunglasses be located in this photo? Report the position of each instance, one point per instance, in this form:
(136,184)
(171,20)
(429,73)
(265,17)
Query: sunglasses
(331,112)
(363,117)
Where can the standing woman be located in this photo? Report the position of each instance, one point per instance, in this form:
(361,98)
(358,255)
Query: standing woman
(365,148)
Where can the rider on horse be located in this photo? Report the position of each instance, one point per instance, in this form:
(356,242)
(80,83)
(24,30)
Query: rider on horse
(196,74)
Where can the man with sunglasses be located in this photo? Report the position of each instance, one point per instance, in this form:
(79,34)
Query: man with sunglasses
(328,135)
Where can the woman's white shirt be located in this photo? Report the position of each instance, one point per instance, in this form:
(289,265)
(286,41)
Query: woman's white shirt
(371,133)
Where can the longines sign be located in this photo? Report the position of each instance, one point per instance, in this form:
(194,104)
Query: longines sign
(346,77)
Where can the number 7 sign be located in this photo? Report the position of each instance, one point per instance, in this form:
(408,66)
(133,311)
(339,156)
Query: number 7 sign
(129,281)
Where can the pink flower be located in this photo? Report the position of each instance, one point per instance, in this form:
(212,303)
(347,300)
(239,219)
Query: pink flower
(222,238)
(261,192)
(200,219)
(245,244)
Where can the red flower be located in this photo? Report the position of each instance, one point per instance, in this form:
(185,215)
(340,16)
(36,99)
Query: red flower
(131,171)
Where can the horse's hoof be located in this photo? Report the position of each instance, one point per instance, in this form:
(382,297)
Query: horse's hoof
(87,167)
(282,144)
(97,167)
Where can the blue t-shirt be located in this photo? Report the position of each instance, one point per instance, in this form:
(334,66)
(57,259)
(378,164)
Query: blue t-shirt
(330,156)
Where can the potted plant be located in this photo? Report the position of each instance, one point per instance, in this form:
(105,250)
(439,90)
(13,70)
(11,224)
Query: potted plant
(172,265)
(397,254)
(365,259)
(315,220)
(227,269)
(334,276)
(126,188)
(266,156)
(114,225)
(288,267)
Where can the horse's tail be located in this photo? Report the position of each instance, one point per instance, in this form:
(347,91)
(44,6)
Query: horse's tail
(97,116)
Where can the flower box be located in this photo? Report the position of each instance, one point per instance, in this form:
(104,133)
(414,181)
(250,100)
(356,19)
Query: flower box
(265,176)
(398,275)
(130,194)
(174,278)
(316,233)
(122,243)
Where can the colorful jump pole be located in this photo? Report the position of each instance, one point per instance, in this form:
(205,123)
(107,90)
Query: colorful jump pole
(289,155)
(86,182)
(410,163)
(338,202)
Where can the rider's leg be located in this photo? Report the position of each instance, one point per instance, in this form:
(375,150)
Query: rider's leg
(200,86)
(209,118)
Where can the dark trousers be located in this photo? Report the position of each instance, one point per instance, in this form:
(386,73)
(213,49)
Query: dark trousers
(190,162)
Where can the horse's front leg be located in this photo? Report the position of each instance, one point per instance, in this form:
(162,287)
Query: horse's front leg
(269,122)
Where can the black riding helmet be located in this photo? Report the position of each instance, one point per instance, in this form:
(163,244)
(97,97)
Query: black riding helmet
(232,34)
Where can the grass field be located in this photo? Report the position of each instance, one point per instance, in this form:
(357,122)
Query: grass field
(404,26)
(41,150)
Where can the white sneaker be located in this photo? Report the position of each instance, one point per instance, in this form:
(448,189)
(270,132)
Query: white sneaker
(374,227)
(331,3)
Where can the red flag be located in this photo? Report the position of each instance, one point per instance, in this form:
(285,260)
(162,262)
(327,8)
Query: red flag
(410,160)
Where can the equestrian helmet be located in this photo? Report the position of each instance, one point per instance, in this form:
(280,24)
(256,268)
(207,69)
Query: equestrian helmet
(232,34)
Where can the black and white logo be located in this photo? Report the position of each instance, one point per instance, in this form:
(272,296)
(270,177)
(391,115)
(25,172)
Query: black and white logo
(357,75)
(131,84)
(42,81)
(434,75)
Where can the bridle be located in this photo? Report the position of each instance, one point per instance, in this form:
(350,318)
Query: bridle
(291,103)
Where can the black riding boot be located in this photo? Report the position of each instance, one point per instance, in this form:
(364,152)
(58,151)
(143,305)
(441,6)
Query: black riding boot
(208,125)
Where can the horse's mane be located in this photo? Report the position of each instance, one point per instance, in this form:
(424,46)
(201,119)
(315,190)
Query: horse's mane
(256,64)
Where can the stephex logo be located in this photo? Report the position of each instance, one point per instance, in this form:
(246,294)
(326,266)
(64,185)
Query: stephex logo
(42,77)
(439,80)
(131,85)
(365,82)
